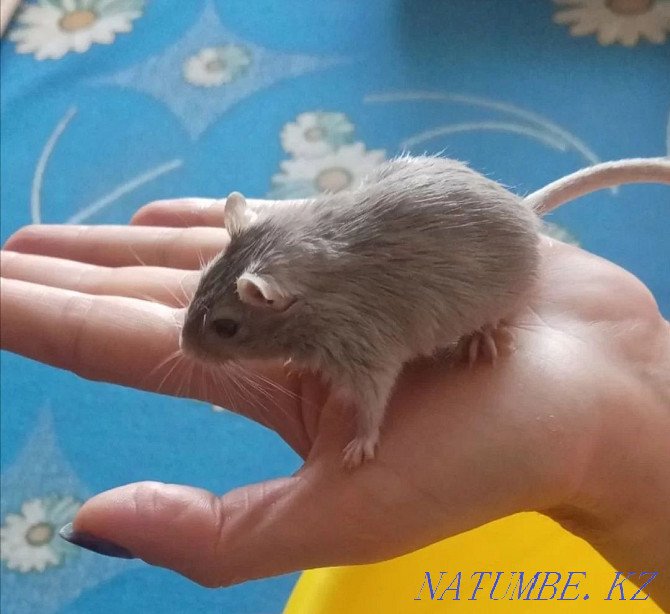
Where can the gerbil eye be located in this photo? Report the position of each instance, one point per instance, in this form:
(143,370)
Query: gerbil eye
(225,328)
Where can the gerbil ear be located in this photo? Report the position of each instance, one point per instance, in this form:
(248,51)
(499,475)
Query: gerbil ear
(236,213)
(262,292)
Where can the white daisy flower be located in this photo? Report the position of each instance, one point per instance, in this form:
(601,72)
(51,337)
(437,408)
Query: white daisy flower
(316,134)
(336,171)
(617,21)
(215,66)
(29,541)
(52,28)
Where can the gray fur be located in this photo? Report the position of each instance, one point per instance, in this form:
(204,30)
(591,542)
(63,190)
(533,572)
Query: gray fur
(423,252)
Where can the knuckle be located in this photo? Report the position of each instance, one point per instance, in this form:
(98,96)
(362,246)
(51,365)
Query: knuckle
(206,563)
(150,498)
(223,547)
(166,245)
(92,280)
(8,262)
(178,248)
(79,309)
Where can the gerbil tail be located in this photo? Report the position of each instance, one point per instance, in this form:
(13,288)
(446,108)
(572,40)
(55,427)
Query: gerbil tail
(593,178)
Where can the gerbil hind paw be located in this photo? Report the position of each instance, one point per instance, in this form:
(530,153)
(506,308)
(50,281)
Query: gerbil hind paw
(485,343)
(358,451)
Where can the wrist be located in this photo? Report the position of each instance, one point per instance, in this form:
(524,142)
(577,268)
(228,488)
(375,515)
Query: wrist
(622,504)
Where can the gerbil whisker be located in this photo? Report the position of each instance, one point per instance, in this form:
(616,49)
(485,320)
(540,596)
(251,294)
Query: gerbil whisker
(249,378)
(231,375)
(206,385)
(147,297)
(225,387)
(231,395)
(235,379)
(250,384)
(179,302)
(169,358)
(190,388)
(133,251)
(254,375)
(177,363)
(176,301)
(201,259)
(197,384)
(184,380)
(187,297)
(276,386)
(208,393)
(182,389)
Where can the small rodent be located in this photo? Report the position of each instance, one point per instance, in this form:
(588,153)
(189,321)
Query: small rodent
(424,254)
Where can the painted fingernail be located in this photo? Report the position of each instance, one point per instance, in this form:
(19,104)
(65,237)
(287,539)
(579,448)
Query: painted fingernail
(95,544)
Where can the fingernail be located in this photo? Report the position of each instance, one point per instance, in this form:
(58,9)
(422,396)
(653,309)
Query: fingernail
(95,544)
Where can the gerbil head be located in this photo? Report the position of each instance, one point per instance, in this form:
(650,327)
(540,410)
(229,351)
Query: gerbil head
(241,308)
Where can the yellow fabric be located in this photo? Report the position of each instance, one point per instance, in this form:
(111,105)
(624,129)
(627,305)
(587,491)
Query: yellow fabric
(526,542)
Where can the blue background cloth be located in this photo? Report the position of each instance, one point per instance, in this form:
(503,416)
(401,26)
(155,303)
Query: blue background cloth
(93,134)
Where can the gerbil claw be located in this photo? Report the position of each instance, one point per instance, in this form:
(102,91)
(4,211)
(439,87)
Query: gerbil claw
(473,349)
(358,451)
(490,344)
(483,343)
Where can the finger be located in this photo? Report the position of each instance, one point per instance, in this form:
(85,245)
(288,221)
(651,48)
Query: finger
(135,343)
(186,212)
(263,530)
(97,337)
(181,213)
(322,516)
(116,246)
(173,287)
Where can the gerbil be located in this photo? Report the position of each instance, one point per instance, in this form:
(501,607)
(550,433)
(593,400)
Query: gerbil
(425,253)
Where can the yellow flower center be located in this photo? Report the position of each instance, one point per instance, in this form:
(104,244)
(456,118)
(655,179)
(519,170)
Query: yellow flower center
(629,7)
(77,20)
(333,179)
(314,134)
(215,66)
(39,534)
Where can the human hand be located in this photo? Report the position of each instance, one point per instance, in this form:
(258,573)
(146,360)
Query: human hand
(574,422)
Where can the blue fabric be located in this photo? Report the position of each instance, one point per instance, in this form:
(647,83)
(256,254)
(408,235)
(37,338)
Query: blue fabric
(149,116)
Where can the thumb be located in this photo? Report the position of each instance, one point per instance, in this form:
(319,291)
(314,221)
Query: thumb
(261,530)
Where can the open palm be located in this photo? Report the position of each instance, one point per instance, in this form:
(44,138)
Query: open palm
(460,447)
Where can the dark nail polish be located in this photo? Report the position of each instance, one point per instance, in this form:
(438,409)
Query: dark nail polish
(95,544)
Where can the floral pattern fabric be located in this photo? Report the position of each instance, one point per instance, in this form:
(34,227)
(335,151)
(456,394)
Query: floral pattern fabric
(215,66)
(617,21)
(52,28)
(29,539)
(109,104)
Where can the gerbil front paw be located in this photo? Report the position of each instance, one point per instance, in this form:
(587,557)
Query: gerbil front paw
(359,450)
